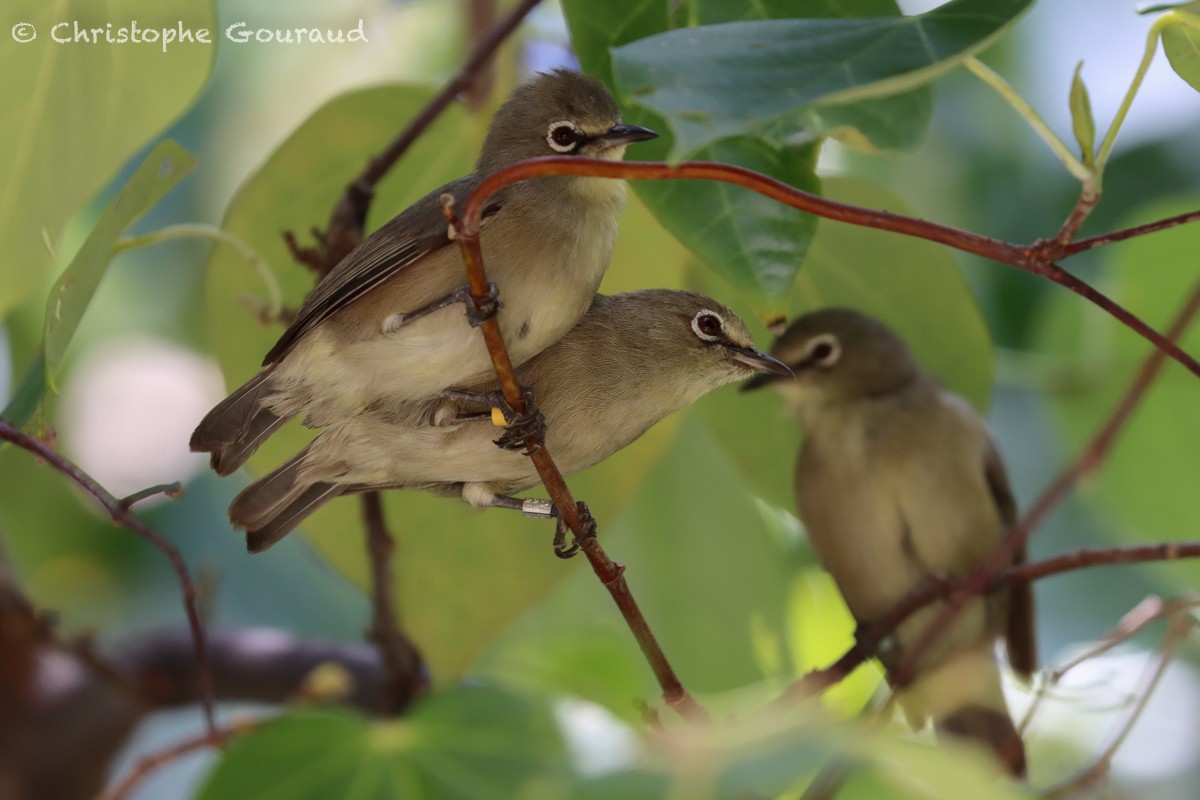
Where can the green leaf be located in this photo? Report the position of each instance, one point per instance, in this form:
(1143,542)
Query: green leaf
(1146,485)
(913,285)
(443,545)
(29,393)
(162,168)
(468,743)
(1081,117)
(74,113)
(1181,43)
(755,243)
(739,78)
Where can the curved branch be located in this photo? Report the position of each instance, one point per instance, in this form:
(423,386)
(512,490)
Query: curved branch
(121,515)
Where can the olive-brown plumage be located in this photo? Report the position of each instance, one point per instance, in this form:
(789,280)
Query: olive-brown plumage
(546,243)
(898,483)
(632,360)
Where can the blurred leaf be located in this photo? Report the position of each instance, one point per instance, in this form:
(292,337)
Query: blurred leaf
(1081,117)
(28,394)
(475,743)
(504,560)
(1148,480)
(913,285)
(74,113)
(1182,46)
(756,243)
(162,168)
(741,78)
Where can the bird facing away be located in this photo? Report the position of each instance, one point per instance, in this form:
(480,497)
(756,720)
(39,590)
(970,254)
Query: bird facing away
(372,328)
(632,360)
(898,484)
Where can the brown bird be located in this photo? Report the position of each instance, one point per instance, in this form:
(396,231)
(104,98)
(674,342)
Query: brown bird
(632,360)
(386,323)
(898,483)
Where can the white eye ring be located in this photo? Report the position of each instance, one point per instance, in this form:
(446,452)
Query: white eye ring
(830,350)
(705,314)
(556,146)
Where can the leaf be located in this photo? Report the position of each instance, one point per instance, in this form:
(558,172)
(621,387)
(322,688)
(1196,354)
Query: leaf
(470,743)
(1081,118)
(503,559)
(913,285)
(741,78)
(162,168)
(74,113)
(755,243)
(29,392)
(1181,43)
(1147,482)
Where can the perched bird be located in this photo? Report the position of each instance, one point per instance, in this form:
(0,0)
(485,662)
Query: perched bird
(632,360)
(385,322)
(899,484)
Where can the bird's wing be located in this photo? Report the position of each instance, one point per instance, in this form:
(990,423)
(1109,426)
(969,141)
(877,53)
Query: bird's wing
(1019,628)
(407,238)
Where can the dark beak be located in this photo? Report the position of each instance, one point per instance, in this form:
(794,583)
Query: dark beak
(626,134)
(768,367)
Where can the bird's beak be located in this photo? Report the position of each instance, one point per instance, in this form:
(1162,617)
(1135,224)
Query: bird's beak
(626,134)
(769,375)
(768,367)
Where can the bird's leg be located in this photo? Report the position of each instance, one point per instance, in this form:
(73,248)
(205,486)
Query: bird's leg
(582,541)
(519,428)
(530,507)
(475,315)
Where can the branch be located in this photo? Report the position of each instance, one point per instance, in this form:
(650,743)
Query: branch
(345,229)
(123,517)
(160,758)
(1128,233)
(993,572)
(466,233)
(404,668)
(1037,258)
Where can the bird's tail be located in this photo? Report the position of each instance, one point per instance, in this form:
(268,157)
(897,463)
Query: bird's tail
(236,426)
(272,507)
(964,697)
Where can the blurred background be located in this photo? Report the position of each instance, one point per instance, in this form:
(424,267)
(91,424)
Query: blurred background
(713,554)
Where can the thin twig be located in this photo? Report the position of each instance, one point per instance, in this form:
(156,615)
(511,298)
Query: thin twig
(611,574)
(122,516)
(173,491)
(160,758)
(1181,626)
(403,665)
(987,576)
(1089,459)
(1037,258)
(1128,233)
(345,229)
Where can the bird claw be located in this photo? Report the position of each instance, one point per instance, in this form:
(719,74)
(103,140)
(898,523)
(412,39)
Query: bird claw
(580,542)
(523,432)
(481,309)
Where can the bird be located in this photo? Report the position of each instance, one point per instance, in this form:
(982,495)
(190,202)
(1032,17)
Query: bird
(632,359)
(384,322)
(899,484)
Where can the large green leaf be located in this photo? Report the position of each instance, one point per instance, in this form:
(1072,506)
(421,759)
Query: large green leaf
(1148,480)
(162,168)
(1182,46)
(913,285)
(456,569)
(757,244)
(75,112)
(741,78)
(468,743)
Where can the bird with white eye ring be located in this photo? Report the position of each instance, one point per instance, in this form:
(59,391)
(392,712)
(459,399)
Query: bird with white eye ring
(632,360)
(389,323)
(899,484)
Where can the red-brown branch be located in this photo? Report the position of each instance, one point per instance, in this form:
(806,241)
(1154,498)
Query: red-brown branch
(1035,258)
(1128,233)
(122,516)
(160,758)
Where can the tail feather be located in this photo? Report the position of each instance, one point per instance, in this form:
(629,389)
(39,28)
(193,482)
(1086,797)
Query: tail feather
(1019,635)
(992,728)
(237,425)
(262,500)
(286,520)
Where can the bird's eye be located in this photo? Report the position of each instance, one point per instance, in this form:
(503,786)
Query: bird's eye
(562,136)
(824,350)
(707,325)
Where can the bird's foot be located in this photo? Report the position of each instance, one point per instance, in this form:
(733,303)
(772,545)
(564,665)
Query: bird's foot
(478,311)
(581,542)
(481,309)
(523,431)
